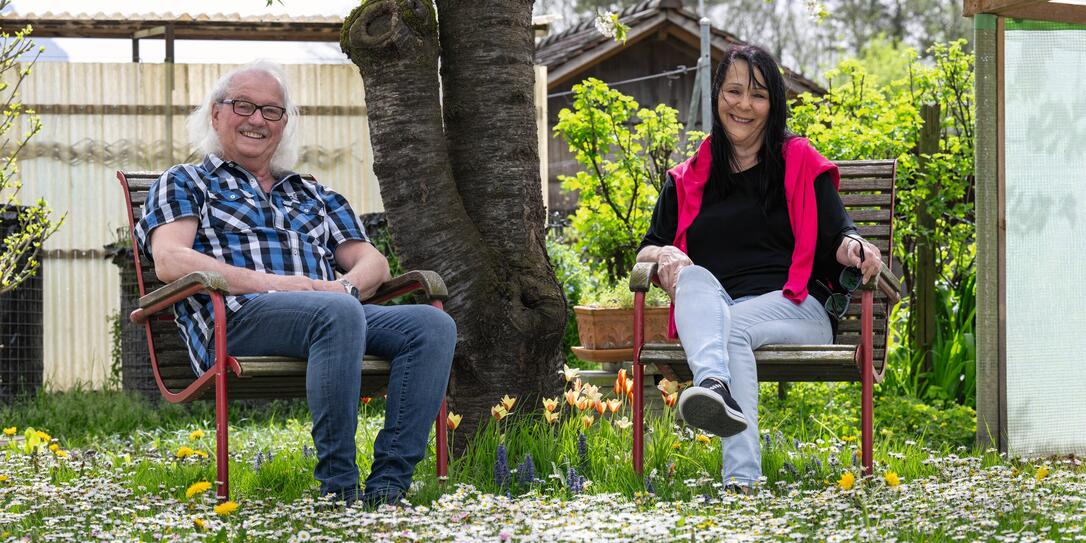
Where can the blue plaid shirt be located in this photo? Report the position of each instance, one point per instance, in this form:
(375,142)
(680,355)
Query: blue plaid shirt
(293,230)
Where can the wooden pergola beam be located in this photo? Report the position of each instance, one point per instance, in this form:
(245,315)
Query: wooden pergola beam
(973,7)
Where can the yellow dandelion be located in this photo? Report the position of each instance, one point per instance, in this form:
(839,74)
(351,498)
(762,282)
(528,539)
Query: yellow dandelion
(846,481)
(197,488)
(185,452)
(61,453)
(201,454)
(196,434)
(44,436)
(225,508)
(676,445)
(702,438)
(10,431)
(3,478)
(199,523)
(1042,472)
(892,479)
(54,447)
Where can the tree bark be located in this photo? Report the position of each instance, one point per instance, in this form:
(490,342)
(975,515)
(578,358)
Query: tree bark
(459,178)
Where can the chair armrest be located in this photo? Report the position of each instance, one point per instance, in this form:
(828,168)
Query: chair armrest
(178,290)
(888,283)
(428,282)
(641,276)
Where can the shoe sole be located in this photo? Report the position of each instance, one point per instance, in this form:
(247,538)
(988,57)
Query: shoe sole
(705,410)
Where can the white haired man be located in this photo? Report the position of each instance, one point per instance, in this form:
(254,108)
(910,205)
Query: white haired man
(277,240)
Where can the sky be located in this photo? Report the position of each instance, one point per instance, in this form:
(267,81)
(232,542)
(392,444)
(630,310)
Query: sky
(186,51)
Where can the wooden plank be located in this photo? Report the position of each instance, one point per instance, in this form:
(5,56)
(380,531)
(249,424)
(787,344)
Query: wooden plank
(880,216)
(881,199)
(865,184)
(974,7)
(865,168)
(1049,11)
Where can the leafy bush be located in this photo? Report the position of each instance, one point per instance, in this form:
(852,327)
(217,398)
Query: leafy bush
(625,151)
(620,296)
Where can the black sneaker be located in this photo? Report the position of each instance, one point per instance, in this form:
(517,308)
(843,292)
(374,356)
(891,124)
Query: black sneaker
(710,407)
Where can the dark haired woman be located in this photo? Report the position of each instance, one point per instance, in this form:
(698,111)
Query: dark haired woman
(745,234)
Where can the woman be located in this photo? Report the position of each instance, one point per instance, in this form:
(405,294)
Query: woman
(747,235)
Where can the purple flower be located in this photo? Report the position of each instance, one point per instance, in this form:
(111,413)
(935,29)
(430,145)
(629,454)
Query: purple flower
(501,468)
(526,471)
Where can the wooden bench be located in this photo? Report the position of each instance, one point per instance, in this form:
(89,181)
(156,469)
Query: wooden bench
(867,190)
(254,377)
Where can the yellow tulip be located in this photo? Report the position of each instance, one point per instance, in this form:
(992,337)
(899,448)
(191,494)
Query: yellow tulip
(613,405)
(498,412)
(572,397)
(508,402)
(583,404)
(620,382)
(668,387)
(600,407)
(587,420)
(551,416)
(550,404)
(453,420)
(671,399)
(225,508)
(846,481)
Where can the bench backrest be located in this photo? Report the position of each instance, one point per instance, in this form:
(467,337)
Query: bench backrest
(867,190)
(163,341)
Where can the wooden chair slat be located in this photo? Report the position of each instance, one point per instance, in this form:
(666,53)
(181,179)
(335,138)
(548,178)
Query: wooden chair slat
(881,200)
(865,184)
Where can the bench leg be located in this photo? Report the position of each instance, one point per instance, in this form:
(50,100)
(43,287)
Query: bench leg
(442,441)
(639,385)
(867,385)
(222,439)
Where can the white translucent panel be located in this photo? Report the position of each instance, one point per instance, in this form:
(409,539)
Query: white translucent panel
(1045,206)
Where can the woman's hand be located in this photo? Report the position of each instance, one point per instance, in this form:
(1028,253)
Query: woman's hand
(669,262)
(859,253)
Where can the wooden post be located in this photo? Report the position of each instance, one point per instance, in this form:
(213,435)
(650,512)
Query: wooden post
(923,298)
(169,96)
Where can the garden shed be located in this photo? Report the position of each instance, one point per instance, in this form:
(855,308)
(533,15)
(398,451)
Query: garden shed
(656,65)
(1031,235)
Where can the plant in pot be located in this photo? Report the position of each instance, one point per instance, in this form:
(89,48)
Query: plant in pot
(605,322)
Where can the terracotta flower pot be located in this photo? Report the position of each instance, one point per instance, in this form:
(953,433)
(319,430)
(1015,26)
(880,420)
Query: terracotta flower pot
(603,328)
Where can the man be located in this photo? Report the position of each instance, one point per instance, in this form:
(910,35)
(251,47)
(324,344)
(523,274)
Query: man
(277,238)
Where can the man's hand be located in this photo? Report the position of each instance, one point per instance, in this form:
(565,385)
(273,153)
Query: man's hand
(859,253)
(669,262)
(288,283)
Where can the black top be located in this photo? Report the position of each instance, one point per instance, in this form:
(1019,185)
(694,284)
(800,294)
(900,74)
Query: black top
(745,245)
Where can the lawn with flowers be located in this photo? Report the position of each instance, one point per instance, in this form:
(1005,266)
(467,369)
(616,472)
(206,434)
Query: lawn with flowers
(116,467)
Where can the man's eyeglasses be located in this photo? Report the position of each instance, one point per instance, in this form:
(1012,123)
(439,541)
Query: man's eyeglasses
(850,280)
(246,108)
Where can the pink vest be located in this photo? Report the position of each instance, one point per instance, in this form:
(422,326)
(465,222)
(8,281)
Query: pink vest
(802,165)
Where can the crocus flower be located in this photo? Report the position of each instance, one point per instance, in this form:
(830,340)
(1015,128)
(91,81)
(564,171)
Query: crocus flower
(197,488)
(453,420)
(508,402)
(225,508)
(846,481)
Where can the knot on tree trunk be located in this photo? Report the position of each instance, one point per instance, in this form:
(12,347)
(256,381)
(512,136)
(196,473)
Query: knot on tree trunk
(394,25)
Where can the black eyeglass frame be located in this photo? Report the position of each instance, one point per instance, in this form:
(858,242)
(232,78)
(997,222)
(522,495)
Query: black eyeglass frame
(262,108)
(850,279)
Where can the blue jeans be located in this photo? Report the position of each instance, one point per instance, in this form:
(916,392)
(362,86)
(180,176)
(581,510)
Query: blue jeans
(720,336)
(332,331)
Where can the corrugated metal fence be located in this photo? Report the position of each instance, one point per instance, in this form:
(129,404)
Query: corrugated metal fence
(99,118)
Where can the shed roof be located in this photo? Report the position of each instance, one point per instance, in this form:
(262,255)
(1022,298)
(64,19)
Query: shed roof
(572,51)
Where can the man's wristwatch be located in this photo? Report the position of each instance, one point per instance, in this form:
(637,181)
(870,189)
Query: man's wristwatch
(350,288)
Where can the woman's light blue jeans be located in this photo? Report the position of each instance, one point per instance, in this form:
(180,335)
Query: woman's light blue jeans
(332,331)
(720,335)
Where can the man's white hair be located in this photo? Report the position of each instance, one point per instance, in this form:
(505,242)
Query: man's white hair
(203,137)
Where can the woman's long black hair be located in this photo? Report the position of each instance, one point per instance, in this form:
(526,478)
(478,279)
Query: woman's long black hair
(773,137)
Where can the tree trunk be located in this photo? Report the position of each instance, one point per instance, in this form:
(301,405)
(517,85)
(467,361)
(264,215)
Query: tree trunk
(463,196)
